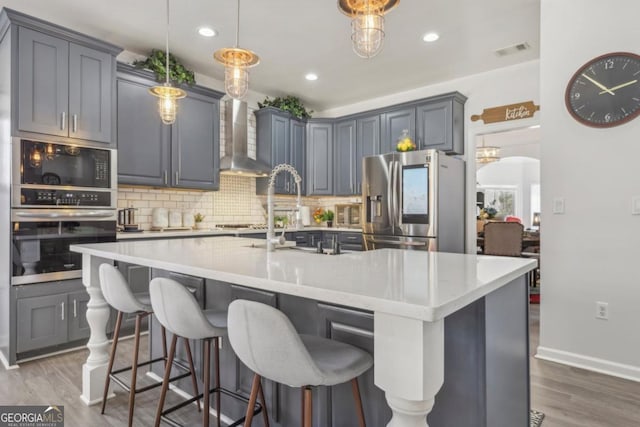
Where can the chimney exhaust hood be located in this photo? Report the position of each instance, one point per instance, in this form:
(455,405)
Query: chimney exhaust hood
(236,161)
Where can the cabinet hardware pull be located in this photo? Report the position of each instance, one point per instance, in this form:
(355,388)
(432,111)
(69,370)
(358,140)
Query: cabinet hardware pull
(62,310)
(75,123)
(166,178)
(63,120)
(75,308)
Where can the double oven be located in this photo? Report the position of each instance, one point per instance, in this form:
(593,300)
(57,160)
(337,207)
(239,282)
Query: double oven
(61,195)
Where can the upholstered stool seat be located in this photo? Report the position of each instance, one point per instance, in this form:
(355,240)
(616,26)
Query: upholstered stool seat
(178,311)
(118,295)
(265,340)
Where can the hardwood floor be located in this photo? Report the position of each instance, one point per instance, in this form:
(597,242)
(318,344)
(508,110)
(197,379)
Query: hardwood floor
(569,397)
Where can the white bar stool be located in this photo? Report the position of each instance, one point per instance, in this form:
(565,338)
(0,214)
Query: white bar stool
(265,340)
(178,311)
(118,295)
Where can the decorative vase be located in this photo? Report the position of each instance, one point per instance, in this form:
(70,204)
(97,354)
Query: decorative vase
(200,225)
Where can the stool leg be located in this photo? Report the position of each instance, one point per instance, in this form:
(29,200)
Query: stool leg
(308,407)
(194,381)
(265,415)
(356,397)
(112,358)
(255,386)
(164,345)
(207,381)
(216,351)
(165,380)
(134,368)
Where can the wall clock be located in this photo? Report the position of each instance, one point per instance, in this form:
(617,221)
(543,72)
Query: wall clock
(605,91)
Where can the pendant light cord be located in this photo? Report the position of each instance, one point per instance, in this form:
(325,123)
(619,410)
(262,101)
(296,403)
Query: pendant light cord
(167,69)
(238,25)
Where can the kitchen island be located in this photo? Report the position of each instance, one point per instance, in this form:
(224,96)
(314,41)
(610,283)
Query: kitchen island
(438,318)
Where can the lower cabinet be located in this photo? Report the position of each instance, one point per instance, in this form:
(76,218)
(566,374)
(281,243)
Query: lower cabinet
(50,316)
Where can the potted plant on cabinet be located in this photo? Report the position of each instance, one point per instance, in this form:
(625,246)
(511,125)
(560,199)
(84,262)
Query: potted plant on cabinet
(291,104)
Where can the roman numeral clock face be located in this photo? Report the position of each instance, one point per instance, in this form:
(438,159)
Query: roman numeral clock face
(605,92)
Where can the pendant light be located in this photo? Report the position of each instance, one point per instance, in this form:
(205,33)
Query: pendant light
(236,61)
(367,24)
(487,154)
(167,95)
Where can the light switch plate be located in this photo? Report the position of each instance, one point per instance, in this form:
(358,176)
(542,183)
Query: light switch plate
(558,205)
(635,205)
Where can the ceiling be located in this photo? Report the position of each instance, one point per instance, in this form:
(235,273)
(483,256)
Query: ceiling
(294,37)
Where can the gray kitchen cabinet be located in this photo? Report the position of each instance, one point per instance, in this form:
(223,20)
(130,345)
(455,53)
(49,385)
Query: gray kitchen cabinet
(41,322)
(440,124)
(368,144)
(183,155)
(64,88)
(144,143)
(345,158)
(350,241)
(393,123)
(195,144)
(356,328)
(320,158)
(77,309)
(280,138)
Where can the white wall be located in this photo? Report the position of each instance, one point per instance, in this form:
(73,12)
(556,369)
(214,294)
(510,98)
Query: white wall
(591,252)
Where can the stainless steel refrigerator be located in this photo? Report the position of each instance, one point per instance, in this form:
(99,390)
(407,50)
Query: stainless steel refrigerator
(413,200)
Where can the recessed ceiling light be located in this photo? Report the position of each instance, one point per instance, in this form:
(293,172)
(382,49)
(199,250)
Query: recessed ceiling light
(311,76)
(430,37)
(207,32)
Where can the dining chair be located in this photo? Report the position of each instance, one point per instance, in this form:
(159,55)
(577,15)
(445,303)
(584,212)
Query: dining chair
(503,239)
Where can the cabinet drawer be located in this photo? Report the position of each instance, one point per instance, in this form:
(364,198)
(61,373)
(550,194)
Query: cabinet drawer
(351,238)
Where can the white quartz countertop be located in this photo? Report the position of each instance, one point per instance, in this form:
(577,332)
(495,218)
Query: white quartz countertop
(415,284)
(219,232)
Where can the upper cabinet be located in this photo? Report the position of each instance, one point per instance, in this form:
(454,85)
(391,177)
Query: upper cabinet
(345,158)
(280,138)
(440,124)
(183,155)
(394,122)
(63,83)
(320,157)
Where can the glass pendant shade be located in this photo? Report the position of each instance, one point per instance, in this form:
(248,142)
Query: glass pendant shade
(367,24)
(236,76)
(167,101)
(367,34)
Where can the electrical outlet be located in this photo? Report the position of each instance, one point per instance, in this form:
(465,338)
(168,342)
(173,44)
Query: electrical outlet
(602,310)
(558,205)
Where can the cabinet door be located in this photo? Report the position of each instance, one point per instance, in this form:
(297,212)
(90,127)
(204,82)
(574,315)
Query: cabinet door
(368,144)
(281,151)
(42,322)
(144,152)
(434,126)
(78,325)
(298,136)
(345,158)
(90,93)
(320,159)
(356,328)
(43,83)
(195,144)
(394,123)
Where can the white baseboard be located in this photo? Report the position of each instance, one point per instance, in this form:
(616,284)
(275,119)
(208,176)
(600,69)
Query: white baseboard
(5,363)
(594,364)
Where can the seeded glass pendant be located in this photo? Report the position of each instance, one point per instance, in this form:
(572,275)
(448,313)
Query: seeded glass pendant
(167,94)
(236,61)
(367,24)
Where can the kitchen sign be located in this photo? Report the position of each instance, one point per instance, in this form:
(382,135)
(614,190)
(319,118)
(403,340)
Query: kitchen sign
(506,113)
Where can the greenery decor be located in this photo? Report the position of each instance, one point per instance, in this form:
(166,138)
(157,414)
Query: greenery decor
(328,215)
(198,217)
(290,103)
(156,62)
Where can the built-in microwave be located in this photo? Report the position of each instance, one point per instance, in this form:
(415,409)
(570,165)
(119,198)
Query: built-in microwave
(54,174)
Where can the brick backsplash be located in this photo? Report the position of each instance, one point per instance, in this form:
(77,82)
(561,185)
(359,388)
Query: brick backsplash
(235,203)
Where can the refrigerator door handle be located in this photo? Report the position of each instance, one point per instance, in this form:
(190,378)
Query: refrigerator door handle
(396,199)
(390,194)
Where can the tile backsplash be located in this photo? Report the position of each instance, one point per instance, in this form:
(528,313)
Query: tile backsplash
(235,203)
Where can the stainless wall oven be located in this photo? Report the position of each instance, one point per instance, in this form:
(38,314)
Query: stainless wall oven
(62,194)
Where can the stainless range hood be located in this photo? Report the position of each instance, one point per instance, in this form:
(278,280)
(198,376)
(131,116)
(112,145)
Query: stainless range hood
(236,161)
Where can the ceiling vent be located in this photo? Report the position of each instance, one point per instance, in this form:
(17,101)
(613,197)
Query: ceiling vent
(510,50)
